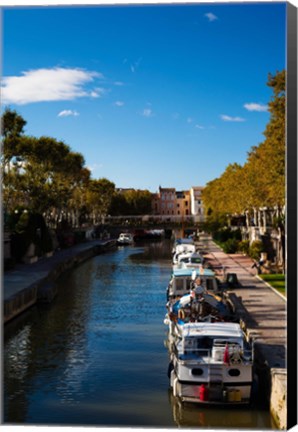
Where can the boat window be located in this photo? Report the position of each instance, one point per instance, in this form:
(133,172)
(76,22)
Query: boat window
(209,284)
(196,260)
(234,372)
(204,343)
(197,371)
(179,284)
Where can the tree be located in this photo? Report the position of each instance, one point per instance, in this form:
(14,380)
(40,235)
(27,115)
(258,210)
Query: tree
(12,128)
(99,197)
(261,180)
(266,163)
(132,202)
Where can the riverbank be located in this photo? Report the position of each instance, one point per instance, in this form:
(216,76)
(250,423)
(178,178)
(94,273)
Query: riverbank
(28,284)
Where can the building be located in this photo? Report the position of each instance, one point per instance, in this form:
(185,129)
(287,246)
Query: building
(167,201)
(197,208)
(179,204)
(183,205)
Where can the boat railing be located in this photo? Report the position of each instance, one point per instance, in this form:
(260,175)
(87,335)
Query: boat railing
(206,355)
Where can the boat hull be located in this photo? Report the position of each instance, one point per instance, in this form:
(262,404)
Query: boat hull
(215,393)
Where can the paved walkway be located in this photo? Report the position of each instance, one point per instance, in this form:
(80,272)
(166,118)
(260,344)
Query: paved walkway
(263,308)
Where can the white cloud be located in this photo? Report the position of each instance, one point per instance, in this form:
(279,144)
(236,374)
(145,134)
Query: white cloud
(135,65)
(147,112)
(118,83)
(211,16)
(199,126)
(44,85)
(67,113)
(119,103)
(189,120)
(255,107)
(231,119)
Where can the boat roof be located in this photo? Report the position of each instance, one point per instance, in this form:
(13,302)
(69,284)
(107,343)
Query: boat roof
(184,241)
(221,329)
(190,255)
(188,272)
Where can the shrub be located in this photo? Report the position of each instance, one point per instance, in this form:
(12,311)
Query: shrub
(230,246)
(255,249)
(244,246)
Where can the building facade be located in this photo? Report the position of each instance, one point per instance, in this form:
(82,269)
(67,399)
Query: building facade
(168,202)
(197,208)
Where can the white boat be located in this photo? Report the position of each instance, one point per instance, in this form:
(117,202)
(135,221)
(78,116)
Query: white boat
(183,242)
(199,305)
(188,259)
(182,281)
(182,249)
(211,363)
(125,239)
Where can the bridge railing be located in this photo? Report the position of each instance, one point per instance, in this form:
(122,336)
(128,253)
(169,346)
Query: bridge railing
(152,220)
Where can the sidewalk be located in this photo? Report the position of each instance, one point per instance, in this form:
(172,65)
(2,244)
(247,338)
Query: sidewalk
(262,308)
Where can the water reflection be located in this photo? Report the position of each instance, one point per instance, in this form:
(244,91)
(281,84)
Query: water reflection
(96,355)
(192,415)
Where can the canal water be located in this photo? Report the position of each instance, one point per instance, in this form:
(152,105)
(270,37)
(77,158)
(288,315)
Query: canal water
(96,356)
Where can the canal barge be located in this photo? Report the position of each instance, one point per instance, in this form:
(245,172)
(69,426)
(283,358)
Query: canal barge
(211,363)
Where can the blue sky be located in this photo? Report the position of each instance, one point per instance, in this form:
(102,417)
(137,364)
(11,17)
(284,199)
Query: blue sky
(150,95)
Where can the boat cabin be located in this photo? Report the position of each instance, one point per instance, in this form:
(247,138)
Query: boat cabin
(189,259)
(182,281)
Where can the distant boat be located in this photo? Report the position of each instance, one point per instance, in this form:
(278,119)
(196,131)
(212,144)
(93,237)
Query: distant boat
(125,239)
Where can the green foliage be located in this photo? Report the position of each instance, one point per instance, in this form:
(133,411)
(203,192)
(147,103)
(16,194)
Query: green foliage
(224,234)
(133,202)
(30,228)
(255,249)
(215,222)
(230,246)
(244,246)
(261,180)
(277,281)
(98,196)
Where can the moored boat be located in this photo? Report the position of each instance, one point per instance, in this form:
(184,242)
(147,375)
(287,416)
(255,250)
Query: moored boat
(188,259)
(182,281)
(211,363)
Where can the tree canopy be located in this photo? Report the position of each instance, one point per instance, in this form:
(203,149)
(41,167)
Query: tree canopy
(261,180)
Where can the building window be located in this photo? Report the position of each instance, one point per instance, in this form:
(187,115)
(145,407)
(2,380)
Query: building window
(199,202)
(186,203)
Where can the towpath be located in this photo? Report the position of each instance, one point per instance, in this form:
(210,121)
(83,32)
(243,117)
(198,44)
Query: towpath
(262,308)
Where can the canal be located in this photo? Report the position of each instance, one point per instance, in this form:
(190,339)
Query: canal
(96,356)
